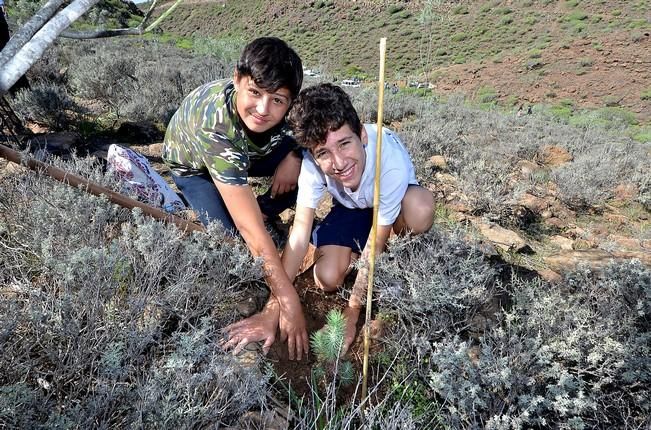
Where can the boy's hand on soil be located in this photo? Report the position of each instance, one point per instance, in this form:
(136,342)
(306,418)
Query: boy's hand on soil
(351,315)
(257,328)
(293,328)
(286,176)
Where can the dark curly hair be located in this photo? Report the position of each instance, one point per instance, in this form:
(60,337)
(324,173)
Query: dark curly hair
(319,110)
(272,64)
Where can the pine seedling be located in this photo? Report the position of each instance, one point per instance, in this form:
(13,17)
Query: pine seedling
(327,344)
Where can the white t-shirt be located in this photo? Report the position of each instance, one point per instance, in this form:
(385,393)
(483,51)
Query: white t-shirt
(397,173)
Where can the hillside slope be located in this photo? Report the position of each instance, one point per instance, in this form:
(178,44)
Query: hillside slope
(594,52)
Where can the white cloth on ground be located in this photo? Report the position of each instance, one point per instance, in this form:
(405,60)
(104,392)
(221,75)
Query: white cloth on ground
(140,179)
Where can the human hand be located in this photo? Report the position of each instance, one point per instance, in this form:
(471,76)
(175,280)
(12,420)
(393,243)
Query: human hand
(351,315)
(293,328)
(286,176)
(259,327)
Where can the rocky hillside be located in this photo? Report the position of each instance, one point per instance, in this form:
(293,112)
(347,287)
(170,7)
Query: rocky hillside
(595,53)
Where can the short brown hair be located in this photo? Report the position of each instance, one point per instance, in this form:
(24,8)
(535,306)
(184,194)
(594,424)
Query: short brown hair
(319,110)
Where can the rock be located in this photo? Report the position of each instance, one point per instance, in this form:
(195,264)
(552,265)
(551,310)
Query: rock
(554,156)
(57,143)
(535,204)
(625,192)
(247,307)
(446,178)
(593,258)
(555,222)
(12,168)
(628,243)
(550,276)
(583,244)
(503,238)
(437,162)
(528,168)
(562,242)
(457,206)
(546,214)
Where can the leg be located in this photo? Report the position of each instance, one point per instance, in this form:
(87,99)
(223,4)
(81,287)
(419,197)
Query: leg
(331,267)
(202,195)
(417,211)
(339,239)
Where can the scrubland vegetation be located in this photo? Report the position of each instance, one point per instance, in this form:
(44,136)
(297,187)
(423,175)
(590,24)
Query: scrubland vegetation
(111,320)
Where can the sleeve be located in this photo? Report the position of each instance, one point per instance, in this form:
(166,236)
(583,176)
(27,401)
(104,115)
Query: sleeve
(393,186)
(311,183)
(225,161)
(397,169)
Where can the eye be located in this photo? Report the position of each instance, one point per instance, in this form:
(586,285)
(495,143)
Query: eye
(279,101)
(254,92)
(320,155)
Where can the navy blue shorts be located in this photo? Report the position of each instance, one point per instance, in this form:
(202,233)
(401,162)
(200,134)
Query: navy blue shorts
(344,227)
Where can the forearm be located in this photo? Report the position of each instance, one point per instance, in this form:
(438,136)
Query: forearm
(298,241)
(262,246)
(293,255)
(358,293)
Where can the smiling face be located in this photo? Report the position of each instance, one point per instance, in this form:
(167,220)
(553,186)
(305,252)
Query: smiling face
(342,156)
(257,108)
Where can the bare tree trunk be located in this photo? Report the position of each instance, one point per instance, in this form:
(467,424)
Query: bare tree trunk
(17,65)
(31,41)
(28,30)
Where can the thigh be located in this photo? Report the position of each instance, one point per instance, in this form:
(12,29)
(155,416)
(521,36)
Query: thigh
(204,198)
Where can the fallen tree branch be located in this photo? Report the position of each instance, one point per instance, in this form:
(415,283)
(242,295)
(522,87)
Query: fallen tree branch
(97,190)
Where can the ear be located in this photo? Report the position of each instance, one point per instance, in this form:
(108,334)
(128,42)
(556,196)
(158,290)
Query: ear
(364,136)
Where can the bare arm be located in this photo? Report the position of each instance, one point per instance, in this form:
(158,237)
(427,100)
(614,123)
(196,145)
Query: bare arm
(243,207)
(298,242)
(358,295)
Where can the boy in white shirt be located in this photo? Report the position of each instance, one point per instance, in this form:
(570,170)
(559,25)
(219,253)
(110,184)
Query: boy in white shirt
(339,157)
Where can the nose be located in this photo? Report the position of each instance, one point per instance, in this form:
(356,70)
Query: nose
(338,162)
(262,106)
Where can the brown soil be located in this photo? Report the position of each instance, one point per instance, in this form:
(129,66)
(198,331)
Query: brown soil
(316,305)
(587,71)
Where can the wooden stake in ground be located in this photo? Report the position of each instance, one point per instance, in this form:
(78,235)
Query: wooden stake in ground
(376,202)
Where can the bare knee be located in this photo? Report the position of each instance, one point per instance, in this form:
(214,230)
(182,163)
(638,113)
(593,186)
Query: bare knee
(417,211)
(328,278)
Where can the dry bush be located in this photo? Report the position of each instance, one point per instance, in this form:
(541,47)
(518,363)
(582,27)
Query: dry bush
(573,355)
(131,79)
(48,104)
(113,320)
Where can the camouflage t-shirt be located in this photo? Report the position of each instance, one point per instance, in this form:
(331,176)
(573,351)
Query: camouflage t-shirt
(206,135)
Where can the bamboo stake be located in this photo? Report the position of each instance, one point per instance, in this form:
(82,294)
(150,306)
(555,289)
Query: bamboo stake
(97,190)
(376,202)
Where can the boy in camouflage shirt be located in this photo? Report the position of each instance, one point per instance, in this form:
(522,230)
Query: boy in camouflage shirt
(224,132)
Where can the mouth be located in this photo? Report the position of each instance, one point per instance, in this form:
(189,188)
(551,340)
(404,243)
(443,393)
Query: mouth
(259,119)
(347,173)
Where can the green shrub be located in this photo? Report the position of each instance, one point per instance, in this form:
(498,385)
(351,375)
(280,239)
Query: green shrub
(646,95)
